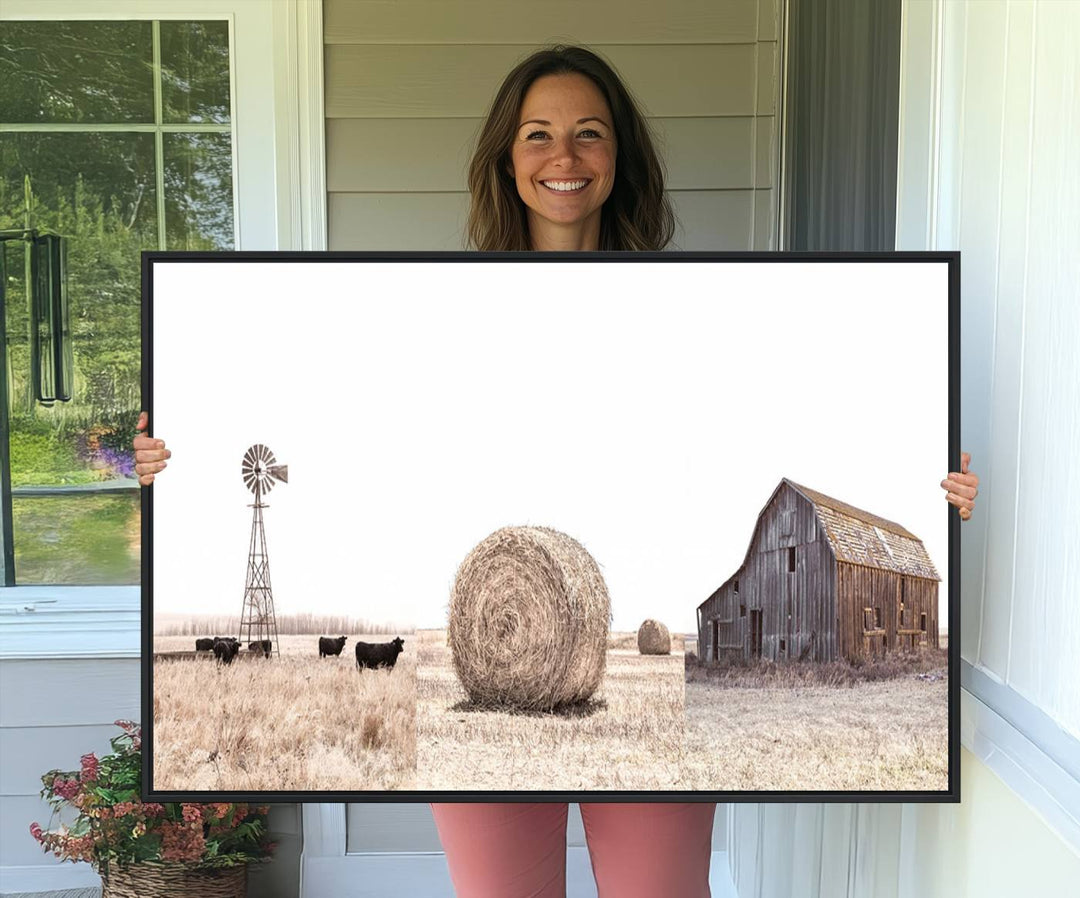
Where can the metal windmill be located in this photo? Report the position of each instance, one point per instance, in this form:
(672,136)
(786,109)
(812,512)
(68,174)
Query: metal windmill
(260,472)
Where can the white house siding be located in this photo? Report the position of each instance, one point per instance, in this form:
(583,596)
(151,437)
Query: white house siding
(68,670)
(408,84)
(53,711)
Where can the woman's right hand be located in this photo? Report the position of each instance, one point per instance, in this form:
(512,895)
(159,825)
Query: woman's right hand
(150,453)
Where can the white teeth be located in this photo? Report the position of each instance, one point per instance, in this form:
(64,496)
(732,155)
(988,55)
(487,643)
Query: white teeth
(564,185)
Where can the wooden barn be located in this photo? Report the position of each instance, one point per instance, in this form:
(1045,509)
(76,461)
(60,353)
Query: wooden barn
(822,580)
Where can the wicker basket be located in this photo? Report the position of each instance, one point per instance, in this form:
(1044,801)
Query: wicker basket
(174,881)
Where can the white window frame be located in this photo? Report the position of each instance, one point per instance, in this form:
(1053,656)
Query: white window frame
(279,184)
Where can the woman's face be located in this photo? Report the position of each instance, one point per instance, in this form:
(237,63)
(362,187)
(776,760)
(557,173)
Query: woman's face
(563,154)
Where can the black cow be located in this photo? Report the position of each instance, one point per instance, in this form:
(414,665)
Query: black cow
(263,646)
(226,650)
(205,644)
(378,654)
(330,646)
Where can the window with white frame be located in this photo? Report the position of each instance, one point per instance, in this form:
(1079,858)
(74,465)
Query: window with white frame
(117,136)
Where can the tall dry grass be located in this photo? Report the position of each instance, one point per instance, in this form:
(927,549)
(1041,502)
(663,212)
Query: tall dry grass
(629,736)
(881,725)
(295,722)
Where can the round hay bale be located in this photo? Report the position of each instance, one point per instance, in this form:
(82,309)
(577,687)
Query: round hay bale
(529,616)
(653,638)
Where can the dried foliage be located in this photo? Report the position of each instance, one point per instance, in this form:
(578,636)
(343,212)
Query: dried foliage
(529,618)
(628,736)
(653,638)
(294,722)
(932,663)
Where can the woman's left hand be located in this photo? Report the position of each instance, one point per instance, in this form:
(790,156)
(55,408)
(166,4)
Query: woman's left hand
(962,487)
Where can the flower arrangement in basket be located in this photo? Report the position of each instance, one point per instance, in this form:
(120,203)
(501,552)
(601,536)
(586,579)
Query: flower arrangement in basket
(142,848)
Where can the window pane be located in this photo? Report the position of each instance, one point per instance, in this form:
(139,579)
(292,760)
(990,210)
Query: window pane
(98,191)
(76,72)
(195,71)
(79,540)
(198,192)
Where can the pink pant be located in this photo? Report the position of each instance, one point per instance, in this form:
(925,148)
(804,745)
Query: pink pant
(519,850)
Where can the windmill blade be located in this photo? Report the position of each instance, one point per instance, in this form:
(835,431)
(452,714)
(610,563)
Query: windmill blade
(260,470)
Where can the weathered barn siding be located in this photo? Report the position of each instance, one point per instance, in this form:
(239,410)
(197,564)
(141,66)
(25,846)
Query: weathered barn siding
(795,606)
(860,588)
(817,607)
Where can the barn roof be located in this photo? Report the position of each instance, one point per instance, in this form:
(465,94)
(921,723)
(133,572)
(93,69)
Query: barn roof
(857,537)
(860,537)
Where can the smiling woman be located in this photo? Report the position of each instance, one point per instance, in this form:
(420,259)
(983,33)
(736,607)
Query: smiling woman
(565,161)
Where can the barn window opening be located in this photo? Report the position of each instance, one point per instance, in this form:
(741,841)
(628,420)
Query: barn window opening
(736,589)
(783,646)
(742,611)
(791,560)
(922,622)
(877,617)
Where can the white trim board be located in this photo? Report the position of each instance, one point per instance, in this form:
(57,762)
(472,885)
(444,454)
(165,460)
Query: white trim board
(42,622)
(1025,767)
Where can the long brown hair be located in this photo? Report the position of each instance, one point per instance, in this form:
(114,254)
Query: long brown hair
(637,214)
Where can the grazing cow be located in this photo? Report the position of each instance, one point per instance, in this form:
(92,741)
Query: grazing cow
(263,646)
(329,646)
(226,650)
(206,644)
(378,654)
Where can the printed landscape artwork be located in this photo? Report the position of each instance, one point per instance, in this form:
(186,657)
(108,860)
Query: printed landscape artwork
(456,526)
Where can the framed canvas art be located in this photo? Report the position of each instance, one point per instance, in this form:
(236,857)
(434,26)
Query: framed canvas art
(460,526)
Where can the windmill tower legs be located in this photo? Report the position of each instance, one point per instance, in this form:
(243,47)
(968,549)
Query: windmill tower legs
(258,622)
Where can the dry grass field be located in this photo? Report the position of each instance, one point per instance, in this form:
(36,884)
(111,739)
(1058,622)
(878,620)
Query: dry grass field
(628,737)
(296,722)
(818,727)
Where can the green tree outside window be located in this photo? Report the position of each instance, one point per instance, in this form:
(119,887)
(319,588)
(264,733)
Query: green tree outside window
(118,136)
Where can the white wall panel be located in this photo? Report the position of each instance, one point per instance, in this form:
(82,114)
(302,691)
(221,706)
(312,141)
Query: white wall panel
(1006,192)
(1045,626)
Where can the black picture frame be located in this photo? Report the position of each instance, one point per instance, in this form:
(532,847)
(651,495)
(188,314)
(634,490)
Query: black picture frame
(950,318)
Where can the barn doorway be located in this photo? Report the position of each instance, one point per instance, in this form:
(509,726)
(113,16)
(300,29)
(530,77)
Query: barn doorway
(715,640)
(755,632)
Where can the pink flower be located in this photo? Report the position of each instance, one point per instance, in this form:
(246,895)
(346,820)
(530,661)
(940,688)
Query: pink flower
(35,831)
(152,809)
(192,813)
(181,841)
(65,788)
(89,768)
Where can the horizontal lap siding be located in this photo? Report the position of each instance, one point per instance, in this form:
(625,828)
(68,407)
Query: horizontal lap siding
(408,84)
(53,712)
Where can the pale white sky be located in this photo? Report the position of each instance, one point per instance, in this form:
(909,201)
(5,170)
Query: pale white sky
(646,409)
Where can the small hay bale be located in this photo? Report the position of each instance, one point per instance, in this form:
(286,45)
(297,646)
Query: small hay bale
(529,617)
(653,638)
